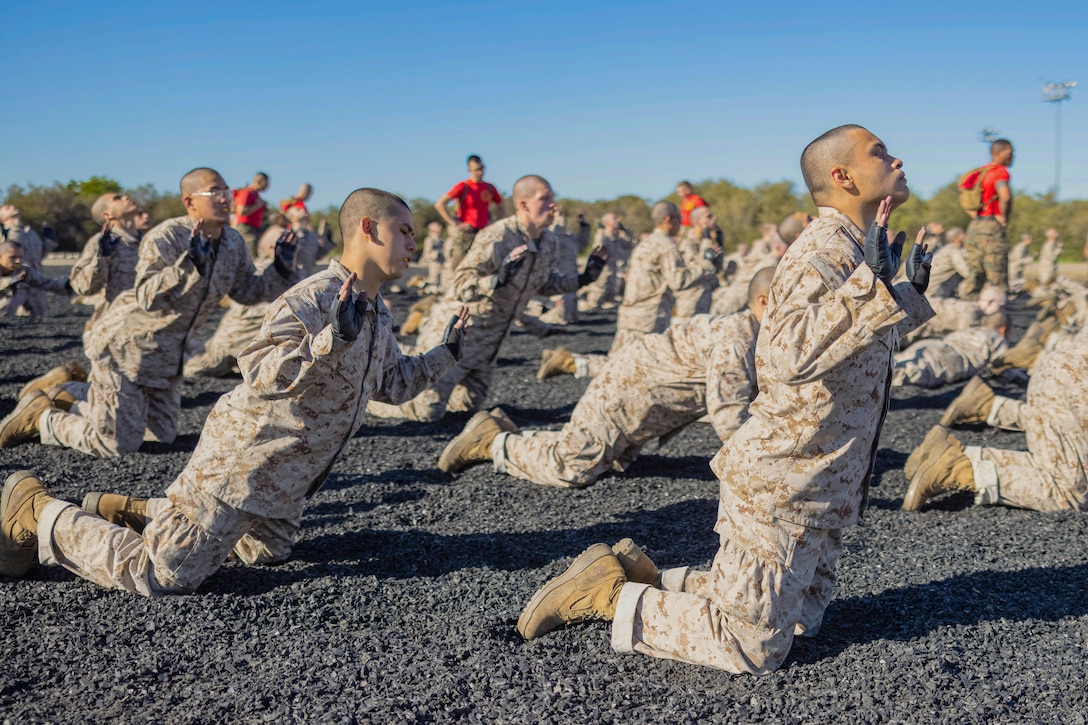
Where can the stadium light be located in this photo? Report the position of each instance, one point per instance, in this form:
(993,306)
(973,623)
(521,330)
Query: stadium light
(1056,93)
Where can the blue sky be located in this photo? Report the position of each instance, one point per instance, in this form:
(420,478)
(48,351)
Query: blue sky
(601,98)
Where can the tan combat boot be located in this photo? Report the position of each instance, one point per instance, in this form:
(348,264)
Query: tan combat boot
(936,439)
(972,405)
(637,567)
(416,313)
(587,590)
(127,511)
(504,420)
(21,425)
(471,445)
(559,361)
(1024,353)
(21,506)
(61,398)
(945,469)
(56,376)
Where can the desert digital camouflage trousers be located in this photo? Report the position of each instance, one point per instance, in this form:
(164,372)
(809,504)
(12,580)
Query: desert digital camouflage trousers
(188,538)
(770,581)
(930,366)
(459,244)
(987,256)
(117,416)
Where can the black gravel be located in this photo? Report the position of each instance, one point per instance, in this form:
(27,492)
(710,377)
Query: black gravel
(400,601)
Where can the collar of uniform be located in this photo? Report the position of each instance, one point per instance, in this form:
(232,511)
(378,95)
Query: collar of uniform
(827,212)
(658,234)
(342,273)
(533,249)
(125,236)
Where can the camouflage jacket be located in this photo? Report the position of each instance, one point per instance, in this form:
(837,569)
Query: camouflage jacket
(655,272)
(271,441)
(823,364)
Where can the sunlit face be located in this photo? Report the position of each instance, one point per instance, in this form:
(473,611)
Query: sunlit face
(212,200)
(11,260)
(876,173)
(394,245)
(683,191)
(540,207)
(991,300)
(476,171)
(142,220)
(1005,156)
(120,207)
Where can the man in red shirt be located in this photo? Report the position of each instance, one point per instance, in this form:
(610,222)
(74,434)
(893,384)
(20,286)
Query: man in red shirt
(689,201)
(298,200)
(987,244)
(249,211)
(474,198)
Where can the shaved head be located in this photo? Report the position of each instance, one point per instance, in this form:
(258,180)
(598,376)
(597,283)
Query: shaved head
(828,151)
(995,321)
(195,179)
(760,284)
(527,187)
(791,227)
(698,213)
(374,204)
(98,209)
(7,247)
(663,210)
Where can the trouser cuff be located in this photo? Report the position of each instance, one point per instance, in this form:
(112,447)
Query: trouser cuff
(47,554)
(581,366)
(623,624)
(498,452)
(987,490)
(672,580)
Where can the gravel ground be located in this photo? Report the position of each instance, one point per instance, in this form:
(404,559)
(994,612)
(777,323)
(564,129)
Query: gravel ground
(400,602)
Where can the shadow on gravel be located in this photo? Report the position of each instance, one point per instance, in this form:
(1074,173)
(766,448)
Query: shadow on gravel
(206,399)
(1045,594)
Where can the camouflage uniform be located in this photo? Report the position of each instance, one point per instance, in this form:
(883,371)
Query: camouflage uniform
(695,300)
(136,348)
(104,278)
(656,273)
(734,297)
(654,386)
(492,312)
(933,363)
(1019,259)
(1048,262)
(987,250)
(948,270)
(34,251)
(241,323)
(795,473)
(434,255)
(458,244)
(951,314)
(266,447)
(15,295)
(1052,474)
(606,287)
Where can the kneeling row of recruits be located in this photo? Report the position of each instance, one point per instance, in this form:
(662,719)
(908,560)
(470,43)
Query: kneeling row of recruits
(795,471)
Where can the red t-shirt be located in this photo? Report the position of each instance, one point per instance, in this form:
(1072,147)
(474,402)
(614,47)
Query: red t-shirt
(990,204)
(688,205)
(291,203)
(473,200)
(248,197)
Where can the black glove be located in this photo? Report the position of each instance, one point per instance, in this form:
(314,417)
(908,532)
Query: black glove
(3,232)
(200,252)
(454,339)
(348,317)
(883,258)
(48,233)
(594,267)
(918,264)
(711,254)
(108,243)
(284,254)
(18,278)
(506,270)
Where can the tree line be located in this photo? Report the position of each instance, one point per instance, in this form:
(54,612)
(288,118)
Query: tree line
(740,210)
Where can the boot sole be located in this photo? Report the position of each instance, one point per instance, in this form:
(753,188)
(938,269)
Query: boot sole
(23,404)
(585,560)
(453,450)
(15,563)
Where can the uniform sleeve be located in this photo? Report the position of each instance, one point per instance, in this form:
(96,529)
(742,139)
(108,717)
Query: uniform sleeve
(403,377)
(250,286)
(287,354)
(680,276)
(90,272)
(473,277)
(730,385)
(164,272)
(829,313)
(959,263)
(56,285)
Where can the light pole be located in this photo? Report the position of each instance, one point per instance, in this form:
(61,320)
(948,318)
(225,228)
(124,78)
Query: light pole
(1056,93)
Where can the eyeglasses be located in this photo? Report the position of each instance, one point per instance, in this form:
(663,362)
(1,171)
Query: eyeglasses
(218,194)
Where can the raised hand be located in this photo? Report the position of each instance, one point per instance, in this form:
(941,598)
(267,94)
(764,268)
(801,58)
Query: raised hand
(348,315)
(454,336)
(107,242)
(882,257)
(713,254)
(200,249)
(594,266)
(918,264)
(509,266)
(48,232)
(284,254)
